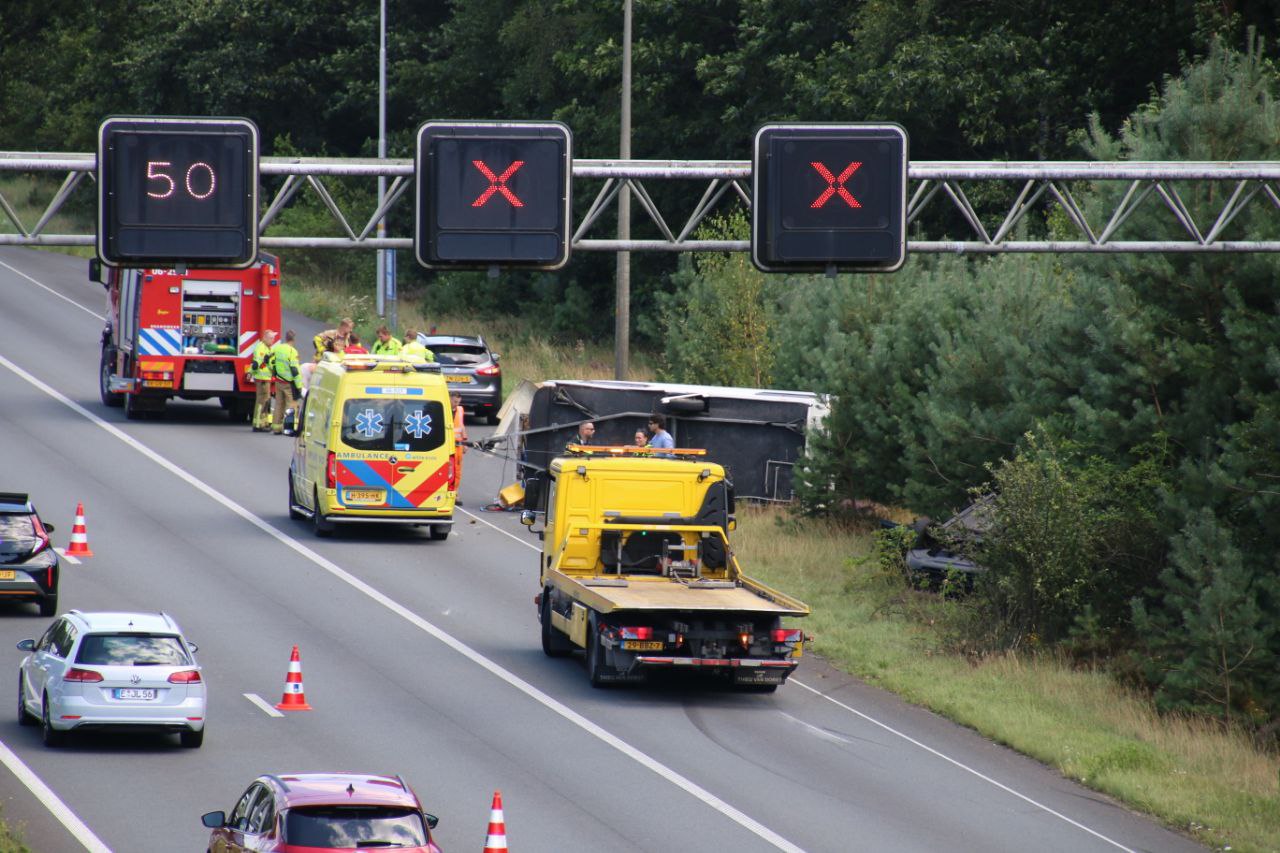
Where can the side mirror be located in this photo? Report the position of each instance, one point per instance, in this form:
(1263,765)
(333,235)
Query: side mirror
(733,523)
(527,517)
(49,528)
(496,357)
(26,645)
(194,648)
(432,820)
(214,820)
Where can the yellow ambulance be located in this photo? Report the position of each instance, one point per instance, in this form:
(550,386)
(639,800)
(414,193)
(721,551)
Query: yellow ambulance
(374,444)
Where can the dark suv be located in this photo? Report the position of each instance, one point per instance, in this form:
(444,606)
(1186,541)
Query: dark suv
(471,369)
(28,563)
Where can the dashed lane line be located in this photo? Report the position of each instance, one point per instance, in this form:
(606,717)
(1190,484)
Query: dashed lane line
(263,704)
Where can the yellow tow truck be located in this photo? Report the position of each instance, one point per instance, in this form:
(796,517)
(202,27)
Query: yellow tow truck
(637,570)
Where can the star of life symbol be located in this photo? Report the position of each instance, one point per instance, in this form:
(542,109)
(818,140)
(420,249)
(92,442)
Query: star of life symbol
(369,423)
(417,424)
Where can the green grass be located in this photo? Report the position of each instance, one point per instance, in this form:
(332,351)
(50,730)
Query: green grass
(29,195)
(1190,774)
(526,354)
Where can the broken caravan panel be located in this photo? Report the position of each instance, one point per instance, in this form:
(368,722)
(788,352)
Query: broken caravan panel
(187,334)
(757,434)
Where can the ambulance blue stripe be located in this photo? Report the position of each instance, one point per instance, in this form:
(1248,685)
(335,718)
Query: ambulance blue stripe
(372,478)
(397,391)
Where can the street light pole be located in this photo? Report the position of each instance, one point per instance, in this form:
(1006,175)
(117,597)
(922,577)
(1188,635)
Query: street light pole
(386,271)
(622,294)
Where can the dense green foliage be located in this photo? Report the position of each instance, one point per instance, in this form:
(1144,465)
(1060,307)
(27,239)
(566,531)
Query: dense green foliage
(1140,516)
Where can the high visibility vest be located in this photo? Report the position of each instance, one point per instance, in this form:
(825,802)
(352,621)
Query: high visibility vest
(260,368)
(284,362)
(391,347)
(416,349)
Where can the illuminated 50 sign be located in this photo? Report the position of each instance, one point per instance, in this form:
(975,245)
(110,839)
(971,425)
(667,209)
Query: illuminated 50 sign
(493,194)
(829,197)
(175,191)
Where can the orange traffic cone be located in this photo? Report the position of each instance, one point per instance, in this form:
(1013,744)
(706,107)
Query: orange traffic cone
(79,540)
(294,699)
(496,840)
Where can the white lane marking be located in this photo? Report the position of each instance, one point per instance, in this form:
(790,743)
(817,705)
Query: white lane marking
(17,271)
(56,807)
(64,555)
(500,530)
(908,738)
(816,731)
(961,765)
(263,704)
(687,785)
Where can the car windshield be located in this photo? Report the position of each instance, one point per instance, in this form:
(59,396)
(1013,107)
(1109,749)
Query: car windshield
(354,826)
(389,423)
(17,533)
(133,650)
(460,353)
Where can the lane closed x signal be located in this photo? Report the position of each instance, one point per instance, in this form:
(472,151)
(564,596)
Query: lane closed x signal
(497,184)
(835,185)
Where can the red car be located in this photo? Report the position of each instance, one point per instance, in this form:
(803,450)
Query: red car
(310,812)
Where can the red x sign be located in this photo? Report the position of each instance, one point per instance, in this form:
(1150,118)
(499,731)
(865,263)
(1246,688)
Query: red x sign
(835,185)
(497,184)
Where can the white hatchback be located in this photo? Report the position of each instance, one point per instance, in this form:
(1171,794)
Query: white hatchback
(123,671)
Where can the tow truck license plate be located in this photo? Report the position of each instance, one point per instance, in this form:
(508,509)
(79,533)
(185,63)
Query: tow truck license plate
(364,496)
(642,645)
(135,692)
(7,575)
(457,378)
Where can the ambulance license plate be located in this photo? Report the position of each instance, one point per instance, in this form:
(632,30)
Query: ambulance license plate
(458,378)
(135,692)
(7,575)
(642,645)
(365,496)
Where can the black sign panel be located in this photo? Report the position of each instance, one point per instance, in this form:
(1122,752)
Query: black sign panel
(493,194)
(177,191)
(829,197)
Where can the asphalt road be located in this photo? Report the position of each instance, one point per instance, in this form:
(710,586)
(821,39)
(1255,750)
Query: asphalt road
(423,659)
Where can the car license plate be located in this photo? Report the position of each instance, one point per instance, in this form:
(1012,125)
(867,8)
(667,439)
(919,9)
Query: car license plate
(457,378)
(7,575)
(643,645)
(135,692)
(364,496)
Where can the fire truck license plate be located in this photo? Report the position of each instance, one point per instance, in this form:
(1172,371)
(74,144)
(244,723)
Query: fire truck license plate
(364,496)
(7,575)
(642,645)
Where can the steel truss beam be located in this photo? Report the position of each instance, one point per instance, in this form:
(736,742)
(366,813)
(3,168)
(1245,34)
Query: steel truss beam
(939,187)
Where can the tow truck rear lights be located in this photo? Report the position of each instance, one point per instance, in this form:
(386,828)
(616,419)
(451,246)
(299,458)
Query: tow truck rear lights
(787,635)
(331,471)
(186,676)
(745,639)
(77,674)
(639,633)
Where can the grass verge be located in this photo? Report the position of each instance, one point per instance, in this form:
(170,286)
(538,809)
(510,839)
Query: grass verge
(29,195)
(1188,773)
(526,354)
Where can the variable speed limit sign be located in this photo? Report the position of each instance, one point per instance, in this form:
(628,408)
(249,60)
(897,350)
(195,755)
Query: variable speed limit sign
(177,191)
(493,194)
(829,197)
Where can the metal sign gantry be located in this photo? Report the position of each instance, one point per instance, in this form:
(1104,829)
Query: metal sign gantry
(1162,186)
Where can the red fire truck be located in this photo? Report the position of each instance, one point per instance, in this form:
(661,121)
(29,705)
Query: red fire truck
(184,333)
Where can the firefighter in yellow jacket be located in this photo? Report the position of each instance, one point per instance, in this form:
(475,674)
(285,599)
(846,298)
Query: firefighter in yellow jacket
(284,366)
(260,373)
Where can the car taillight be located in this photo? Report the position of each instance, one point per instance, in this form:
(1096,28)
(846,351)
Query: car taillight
(786,635)
(453,475)
(76,674)
(642,632)
(331,471)
(41,534)
(491,370)
(186,676)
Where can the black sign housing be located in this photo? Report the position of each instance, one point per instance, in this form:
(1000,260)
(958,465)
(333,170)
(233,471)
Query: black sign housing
(493,194)
(177,191)
(829,197)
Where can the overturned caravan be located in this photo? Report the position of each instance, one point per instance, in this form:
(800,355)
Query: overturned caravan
(758,435)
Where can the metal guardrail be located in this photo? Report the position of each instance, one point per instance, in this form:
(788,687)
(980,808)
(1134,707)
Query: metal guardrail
(1162,186)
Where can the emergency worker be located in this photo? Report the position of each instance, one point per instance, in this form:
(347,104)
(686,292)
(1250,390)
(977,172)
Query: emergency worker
(284,365)
(345,325)
(459,436)
(353,345)
(386,344)
(260,373)
(585,435)
(415,349)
